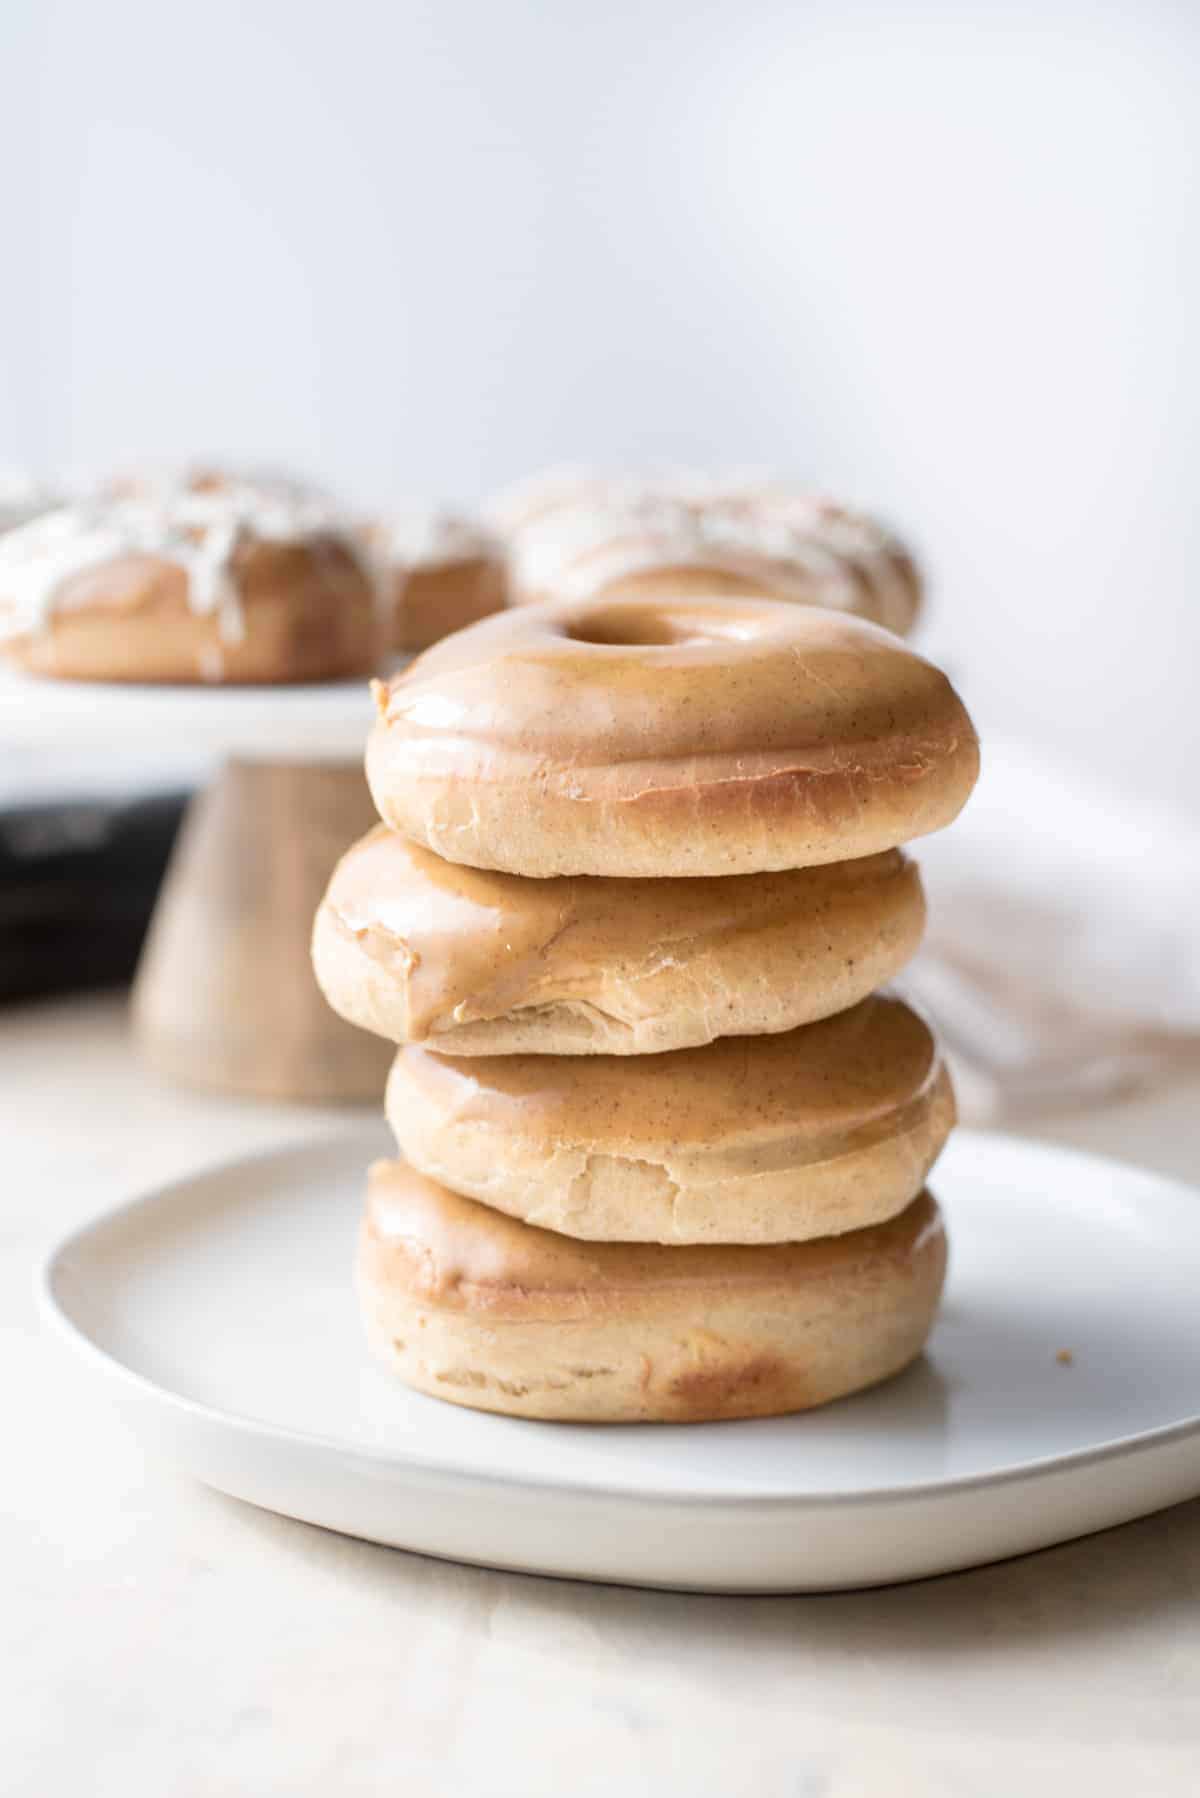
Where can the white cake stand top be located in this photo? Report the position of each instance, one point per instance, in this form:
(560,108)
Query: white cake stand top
(327,721)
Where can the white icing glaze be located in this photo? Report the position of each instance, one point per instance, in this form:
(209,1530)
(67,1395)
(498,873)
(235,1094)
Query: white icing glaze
(556,552)
(800,546)
(427,537)
(197,531)
(876,553)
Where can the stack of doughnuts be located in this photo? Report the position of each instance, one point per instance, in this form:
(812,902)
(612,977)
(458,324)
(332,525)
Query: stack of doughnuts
(587,537)
(200,577)
(638,879)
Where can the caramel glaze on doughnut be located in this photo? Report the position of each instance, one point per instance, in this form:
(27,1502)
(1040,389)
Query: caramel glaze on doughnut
(775,1138)
(475,962)
(685,737)
(484,1311)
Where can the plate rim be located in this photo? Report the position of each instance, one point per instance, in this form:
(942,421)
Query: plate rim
(53,1311)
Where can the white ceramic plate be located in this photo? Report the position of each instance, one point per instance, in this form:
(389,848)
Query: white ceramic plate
(219,1314)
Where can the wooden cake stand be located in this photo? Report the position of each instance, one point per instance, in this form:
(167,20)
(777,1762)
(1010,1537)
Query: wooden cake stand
(224,995)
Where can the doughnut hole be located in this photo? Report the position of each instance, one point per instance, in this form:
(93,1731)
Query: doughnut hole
(659,625)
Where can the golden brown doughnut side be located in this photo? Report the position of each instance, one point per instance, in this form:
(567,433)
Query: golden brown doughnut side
(457,1300)
(737,815)
(478,962)
(678,581)
(308,613)
(731,736)
(429,603)
(775,1138)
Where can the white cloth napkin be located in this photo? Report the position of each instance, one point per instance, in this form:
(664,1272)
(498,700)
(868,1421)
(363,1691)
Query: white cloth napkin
(1062,960)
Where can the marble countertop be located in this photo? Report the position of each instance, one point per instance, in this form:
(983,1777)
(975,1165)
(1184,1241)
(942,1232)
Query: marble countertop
(160,1639)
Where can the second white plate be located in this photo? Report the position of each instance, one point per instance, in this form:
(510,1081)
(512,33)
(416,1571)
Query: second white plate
(1060,1395)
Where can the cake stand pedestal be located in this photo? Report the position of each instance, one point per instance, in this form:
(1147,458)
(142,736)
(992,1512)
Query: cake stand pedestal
(224,995)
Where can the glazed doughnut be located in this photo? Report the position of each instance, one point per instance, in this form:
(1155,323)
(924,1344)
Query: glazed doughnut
(752,1139)
(692,737)
(484,1311)
(442,572)
(222,583)
(691,538)
(480,963)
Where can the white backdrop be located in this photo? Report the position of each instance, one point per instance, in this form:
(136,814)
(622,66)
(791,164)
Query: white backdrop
(943,255)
